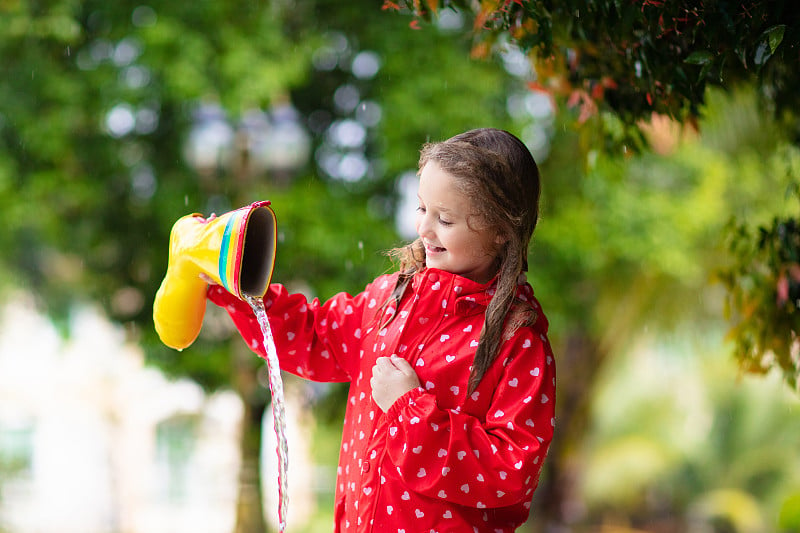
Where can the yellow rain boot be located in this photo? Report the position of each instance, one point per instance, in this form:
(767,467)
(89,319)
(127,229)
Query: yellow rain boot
(236,250)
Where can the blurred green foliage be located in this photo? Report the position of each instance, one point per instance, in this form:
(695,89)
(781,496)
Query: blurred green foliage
(679,439)
(764,297)
(789,518)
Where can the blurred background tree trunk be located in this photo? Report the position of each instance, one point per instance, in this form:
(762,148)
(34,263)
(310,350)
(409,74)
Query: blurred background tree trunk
(250,500)
(556,505)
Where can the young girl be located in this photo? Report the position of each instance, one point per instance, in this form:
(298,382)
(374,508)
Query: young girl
(452,380)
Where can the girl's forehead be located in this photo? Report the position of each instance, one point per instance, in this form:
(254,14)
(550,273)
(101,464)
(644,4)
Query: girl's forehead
(432,178)
(435,181)
(439,189)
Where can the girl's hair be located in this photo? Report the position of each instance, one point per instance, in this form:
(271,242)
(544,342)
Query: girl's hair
(496,170)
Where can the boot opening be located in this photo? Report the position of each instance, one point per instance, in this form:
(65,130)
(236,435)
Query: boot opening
(258,256)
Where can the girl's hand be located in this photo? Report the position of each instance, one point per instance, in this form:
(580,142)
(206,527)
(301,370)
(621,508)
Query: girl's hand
(391,378)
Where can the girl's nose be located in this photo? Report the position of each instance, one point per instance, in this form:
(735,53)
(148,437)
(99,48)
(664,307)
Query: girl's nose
(423,225)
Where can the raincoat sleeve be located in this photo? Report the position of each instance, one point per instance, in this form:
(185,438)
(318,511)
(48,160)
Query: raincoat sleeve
(487,462)
(314,340)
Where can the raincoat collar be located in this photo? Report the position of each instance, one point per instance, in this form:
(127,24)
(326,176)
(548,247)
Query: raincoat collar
(471,297)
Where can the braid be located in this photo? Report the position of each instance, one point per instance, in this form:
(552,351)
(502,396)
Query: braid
(497,311)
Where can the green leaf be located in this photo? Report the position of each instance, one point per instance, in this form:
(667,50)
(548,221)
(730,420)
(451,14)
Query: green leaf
(700,57)
(774,36)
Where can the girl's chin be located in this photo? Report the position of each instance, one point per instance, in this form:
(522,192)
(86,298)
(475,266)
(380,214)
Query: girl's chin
(436,261)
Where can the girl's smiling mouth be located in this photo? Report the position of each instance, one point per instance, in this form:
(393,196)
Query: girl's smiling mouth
(431,249)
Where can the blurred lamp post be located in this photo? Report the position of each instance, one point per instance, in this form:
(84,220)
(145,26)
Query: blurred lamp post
(273,143)
(209,148)
(288,144)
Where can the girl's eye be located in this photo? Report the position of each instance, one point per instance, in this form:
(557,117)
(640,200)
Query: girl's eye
(421,210)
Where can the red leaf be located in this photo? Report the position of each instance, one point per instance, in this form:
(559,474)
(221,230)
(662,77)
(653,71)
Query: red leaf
(588,109)
(608,83)
(574,98)
(597,91)
(782,290)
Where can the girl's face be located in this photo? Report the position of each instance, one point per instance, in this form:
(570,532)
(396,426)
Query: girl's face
(456,239)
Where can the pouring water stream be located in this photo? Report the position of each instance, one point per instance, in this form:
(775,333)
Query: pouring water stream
(278,407)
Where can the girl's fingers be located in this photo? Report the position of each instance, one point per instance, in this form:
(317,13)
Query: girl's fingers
(402,365)
(383,365)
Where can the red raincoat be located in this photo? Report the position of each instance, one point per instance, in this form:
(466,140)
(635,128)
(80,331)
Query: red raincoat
(439,460)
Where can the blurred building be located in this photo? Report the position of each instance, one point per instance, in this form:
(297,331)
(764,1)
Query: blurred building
(92,441)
